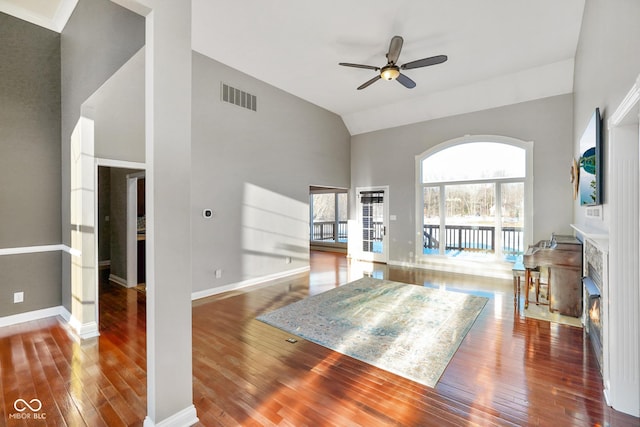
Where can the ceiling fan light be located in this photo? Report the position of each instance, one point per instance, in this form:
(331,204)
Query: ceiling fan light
(390,73)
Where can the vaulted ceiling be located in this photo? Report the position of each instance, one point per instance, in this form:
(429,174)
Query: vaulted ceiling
(499,52)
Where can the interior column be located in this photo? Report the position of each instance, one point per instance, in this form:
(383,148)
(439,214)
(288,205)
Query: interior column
(168,201)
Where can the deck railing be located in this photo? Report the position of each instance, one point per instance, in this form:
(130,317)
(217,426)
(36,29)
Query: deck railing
(326,230)
(458,237)
(474,238)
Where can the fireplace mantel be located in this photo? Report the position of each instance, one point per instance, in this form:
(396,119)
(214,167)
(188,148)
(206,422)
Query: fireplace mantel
(598,237)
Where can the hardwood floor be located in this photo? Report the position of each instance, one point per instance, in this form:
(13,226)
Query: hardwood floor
(509,370)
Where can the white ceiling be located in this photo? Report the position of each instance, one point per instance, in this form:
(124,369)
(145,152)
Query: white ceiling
(500,51)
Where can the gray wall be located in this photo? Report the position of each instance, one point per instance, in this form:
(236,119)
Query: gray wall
(98,39)
(37,275)
(388,158)
(117,109)
(29,163)
(243,160)
(607,65)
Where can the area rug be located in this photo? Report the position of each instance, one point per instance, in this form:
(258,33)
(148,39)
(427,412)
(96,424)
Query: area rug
(409,330)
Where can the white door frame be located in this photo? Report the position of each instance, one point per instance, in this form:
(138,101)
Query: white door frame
(131,232)
(132,228)
(370,256)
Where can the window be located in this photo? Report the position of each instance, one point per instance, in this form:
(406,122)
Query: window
(328,216)
(472,199)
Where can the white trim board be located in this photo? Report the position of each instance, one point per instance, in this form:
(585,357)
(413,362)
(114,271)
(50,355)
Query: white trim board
(246,283)
(37,249)
(122,164)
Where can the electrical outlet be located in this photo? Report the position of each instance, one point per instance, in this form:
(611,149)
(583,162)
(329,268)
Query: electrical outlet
(287,260)
(18,297)
(218,273)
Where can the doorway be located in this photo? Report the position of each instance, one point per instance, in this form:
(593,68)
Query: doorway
(121,225)
(328,219)
(373,222)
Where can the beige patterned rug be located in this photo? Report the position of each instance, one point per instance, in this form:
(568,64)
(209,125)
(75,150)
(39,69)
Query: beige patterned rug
(409,330)
(541,312)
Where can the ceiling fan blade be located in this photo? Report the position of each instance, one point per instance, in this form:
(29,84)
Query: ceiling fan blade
(394,49)
(368,67)
(424,62)
(369,82)
(406,81)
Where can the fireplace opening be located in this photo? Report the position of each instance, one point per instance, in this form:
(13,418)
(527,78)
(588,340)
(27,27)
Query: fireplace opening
(593,319)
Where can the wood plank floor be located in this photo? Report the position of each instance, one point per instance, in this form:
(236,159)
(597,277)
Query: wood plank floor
(509,370)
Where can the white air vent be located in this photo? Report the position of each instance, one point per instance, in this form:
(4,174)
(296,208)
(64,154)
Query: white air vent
(238,97)
(594,212)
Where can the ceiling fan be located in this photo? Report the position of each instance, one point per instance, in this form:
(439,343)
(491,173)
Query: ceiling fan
(391,71)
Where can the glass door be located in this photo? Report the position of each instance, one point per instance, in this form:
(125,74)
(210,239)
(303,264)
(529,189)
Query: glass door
(373,222)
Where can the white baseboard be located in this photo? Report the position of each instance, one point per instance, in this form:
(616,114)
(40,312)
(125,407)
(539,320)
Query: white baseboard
(66,315)
(119,280)
(104,264)
(186,417)
(246,283)
(34,315)
(84,330)
(607,393)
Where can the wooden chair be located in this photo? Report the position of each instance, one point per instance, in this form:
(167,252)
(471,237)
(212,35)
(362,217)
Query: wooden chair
(518,275)
(531,276)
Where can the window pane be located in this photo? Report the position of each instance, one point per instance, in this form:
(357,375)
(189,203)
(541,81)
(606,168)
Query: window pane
(512,220)
(431,215)
(474,161)
(470,218)
(324,207)
(324,216)
(372,208)
(329,224)
(343,214)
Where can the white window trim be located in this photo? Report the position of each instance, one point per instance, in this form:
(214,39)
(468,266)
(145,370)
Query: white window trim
(444,262)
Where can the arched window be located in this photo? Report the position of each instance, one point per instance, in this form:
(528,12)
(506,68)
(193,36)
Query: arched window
(474,198)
